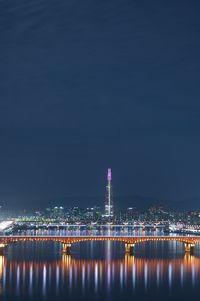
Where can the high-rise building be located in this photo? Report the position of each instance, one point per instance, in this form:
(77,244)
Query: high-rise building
(109,196)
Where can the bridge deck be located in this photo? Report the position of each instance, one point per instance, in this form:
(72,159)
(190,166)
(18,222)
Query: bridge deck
(74,239)
(129,241)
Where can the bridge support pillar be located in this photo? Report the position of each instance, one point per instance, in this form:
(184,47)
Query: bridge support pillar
(189,248)
(2,248)
(129,248)
(66,248)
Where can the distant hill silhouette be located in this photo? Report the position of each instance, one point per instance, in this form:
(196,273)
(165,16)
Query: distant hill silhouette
(120,202)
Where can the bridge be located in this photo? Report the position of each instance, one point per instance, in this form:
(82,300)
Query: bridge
(129,241)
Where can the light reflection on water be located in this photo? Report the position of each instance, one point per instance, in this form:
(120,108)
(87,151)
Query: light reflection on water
(74,277)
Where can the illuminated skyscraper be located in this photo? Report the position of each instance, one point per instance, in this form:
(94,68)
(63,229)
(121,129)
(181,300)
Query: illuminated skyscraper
(109,199)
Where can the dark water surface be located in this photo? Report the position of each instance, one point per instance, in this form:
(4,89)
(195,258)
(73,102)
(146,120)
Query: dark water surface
(99,271)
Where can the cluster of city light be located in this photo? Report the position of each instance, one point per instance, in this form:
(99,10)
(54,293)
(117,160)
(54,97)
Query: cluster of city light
(5,225)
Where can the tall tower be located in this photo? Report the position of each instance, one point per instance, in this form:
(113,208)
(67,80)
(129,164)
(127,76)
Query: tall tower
(109,199)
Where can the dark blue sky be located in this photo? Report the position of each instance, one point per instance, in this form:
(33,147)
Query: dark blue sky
(85,85)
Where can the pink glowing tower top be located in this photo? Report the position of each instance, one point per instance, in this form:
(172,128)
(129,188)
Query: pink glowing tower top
(109,175)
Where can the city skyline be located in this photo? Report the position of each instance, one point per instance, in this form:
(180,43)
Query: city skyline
(106,205)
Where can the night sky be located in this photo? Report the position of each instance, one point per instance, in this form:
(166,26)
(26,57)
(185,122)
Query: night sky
(91,84)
